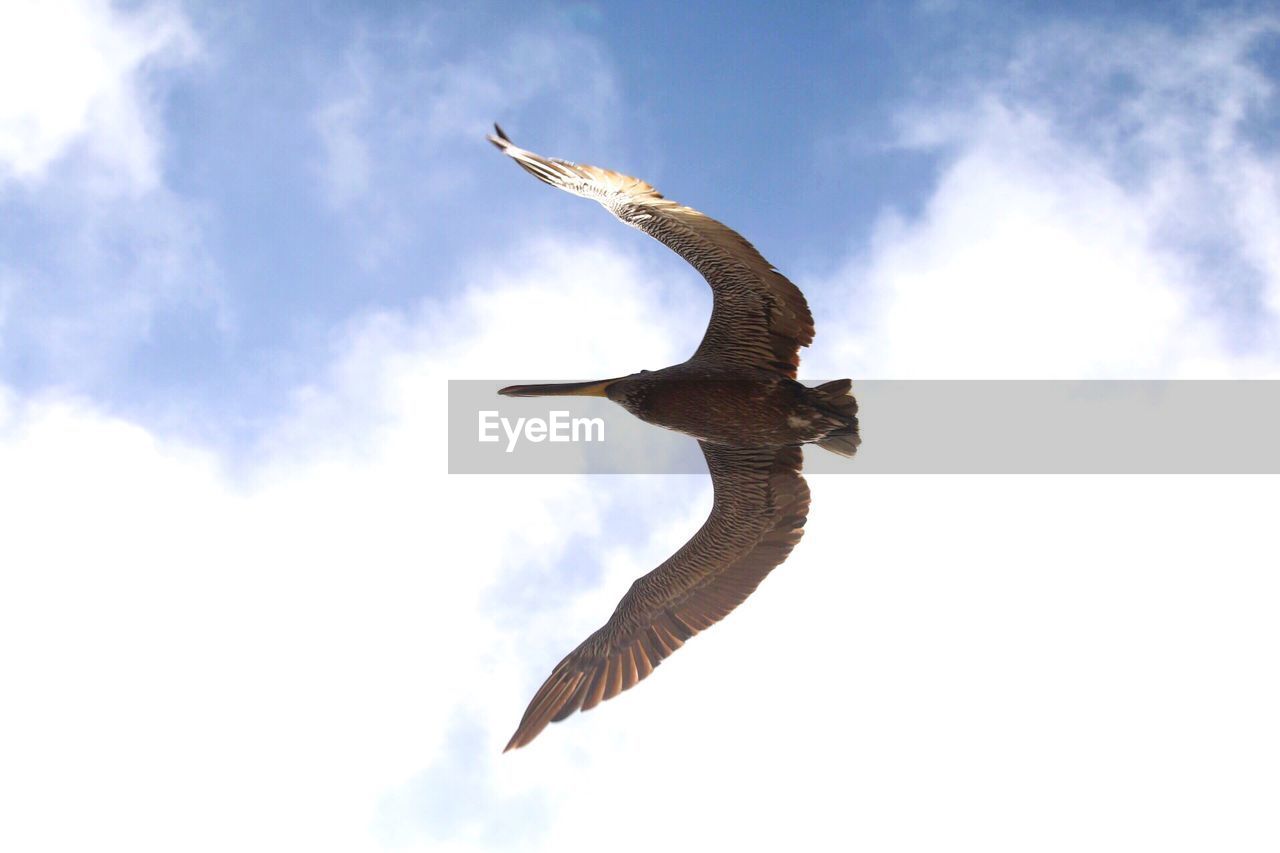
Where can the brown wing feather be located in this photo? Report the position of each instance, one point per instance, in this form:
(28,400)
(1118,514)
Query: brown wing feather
(758,515)
(758,317)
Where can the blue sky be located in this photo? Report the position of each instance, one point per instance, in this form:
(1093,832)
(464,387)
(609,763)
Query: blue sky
(243,247)
(280,205)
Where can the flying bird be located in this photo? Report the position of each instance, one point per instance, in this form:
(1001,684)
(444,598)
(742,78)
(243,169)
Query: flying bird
(738,396)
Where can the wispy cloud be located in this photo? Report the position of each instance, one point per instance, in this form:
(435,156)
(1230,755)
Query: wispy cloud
(99,243)
(9,286)
(408,104)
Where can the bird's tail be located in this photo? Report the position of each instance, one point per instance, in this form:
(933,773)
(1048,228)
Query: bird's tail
(838,398)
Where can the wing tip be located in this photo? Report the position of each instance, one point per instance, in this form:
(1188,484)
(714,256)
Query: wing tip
(499,138)
(523,736)
(526,732)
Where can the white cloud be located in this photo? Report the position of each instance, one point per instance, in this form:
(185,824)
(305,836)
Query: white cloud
(288,645)
(74,75)
(329,650)
(1105,211)
(924,673)
(180,645)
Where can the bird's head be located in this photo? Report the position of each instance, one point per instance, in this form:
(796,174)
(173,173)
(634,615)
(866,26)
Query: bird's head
(627,391)
(597,388)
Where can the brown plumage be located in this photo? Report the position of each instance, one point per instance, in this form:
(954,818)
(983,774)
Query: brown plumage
(738,396)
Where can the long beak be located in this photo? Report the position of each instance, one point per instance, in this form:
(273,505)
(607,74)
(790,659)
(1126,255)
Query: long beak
(560,389)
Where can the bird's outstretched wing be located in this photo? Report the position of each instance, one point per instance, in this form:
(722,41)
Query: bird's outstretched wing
(759,319)
(758,515)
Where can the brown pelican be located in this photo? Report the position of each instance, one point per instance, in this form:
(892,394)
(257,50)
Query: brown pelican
(738,396)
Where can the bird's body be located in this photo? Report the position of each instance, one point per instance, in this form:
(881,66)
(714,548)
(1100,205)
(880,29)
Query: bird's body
(732,407)
(738,396)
